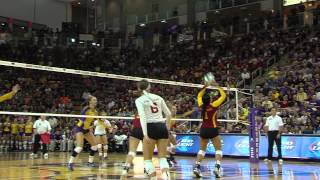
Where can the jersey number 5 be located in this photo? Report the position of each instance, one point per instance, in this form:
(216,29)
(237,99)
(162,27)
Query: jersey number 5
(154,109)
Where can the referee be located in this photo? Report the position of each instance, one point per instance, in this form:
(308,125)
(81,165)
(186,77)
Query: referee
(273,128)
(41,128)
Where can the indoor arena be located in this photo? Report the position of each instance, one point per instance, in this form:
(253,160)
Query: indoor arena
(160,89)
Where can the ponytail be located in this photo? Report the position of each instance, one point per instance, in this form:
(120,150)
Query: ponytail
(206,102)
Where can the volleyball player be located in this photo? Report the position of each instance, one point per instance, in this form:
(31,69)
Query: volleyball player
(171,149)
(6,133)
(101,136)
(27,143)
(1,135)
(82,131)
(136,135)
(209,128)
(21,133)
(154,128)
(14,134)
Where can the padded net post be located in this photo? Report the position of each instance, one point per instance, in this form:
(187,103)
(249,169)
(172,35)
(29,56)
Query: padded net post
(253,137)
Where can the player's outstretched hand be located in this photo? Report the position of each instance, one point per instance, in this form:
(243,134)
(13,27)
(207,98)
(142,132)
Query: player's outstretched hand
(214,84)
(16,88)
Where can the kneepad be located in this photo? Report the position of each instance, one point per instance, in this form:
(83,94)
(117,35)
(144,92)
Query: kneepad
(94,148)
(149,167)
(219,152)
(99,146)
(78,149)
(131,153)
(202,153)
(163,163)
(105,147)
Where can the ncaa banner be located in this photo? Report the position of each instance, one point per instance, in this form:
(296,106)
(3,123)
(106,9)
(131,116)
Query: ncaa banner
(306,147)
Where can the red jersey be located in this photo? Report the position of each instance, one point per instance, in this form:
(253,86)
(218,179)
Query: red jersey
(136,122)
(210,119)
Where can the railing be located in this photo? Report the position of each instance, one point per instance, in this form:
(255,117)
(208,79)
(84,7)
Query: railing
(259,71)
(201,6)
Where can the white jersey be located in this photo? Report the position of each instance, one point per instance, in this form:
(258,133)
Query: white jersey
(150,108)
(100,127)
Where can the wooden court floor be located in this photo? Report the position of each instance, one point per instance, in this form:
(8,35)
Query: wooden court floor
(19,166)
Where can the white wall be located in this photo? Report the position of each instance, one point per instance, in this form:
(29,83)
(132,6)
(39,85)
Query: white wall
(48,12)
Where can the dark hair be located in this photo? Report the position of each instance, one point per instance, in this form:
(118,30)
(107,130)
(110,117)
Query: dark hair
(206,102)
(143,85)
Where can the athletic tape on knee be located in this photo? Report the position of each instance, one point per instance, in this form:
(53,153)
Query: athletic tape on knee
(219,152)
(202,153)
(78,149)
(149,167)
(94,148)
(105,147)
(131,153)
(99,146)
(163,163)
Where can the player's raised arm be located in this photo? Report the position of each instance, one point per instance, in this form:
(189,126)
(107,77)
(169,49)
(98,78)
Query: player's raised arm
(9,95)
(221,99)
(200,95)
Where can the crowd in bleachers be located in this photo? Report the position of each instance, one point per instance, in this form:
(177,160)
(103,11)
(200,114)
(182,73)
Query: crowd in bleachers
(293,87)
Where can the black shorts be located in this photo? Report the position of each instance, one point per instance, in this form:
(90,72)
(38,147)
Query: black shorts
(209,133)
(137,133)
(157,131)
(27,134)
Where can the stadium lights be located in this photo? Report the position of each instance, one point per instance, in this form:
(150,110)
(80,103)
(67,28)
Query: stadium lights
(93,44)
(81,42)
(73,40)
(142,25)
(163,21)
(2,24)
(98,45)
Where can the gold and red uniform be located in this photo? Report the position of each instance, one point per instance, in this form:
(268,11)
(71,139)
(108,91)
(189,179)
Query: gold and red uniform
(209,126)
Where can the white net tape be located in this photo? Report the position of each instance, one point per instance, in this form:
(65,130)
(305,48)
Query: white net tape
(104,75)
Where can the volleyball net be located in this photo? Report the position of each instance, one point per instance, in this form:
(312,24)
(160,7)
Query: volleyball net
(61,93)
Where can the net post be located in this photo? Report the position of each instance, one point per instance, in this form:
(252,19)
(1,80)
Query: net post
(253,137)
(237,106)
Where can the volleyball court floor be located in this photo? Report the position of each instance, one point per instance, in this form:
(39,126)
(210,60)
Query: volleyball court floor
(19,166)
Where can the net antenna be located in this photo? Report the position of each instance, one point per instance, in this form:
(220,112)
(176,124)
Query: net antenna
(111,76)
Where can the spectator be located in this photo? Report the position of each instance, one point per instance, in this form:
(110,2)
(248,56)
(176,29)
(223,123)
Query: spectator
(245,75)
(301,96)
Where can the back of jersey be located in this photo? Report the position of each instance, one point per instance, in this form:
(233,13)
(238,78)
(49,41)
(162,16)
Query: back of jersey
(153,106)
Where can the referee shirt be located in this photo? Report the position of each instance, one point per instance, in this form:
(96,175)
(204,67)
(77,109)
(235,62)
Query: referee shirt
(274,122)
(42,126)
